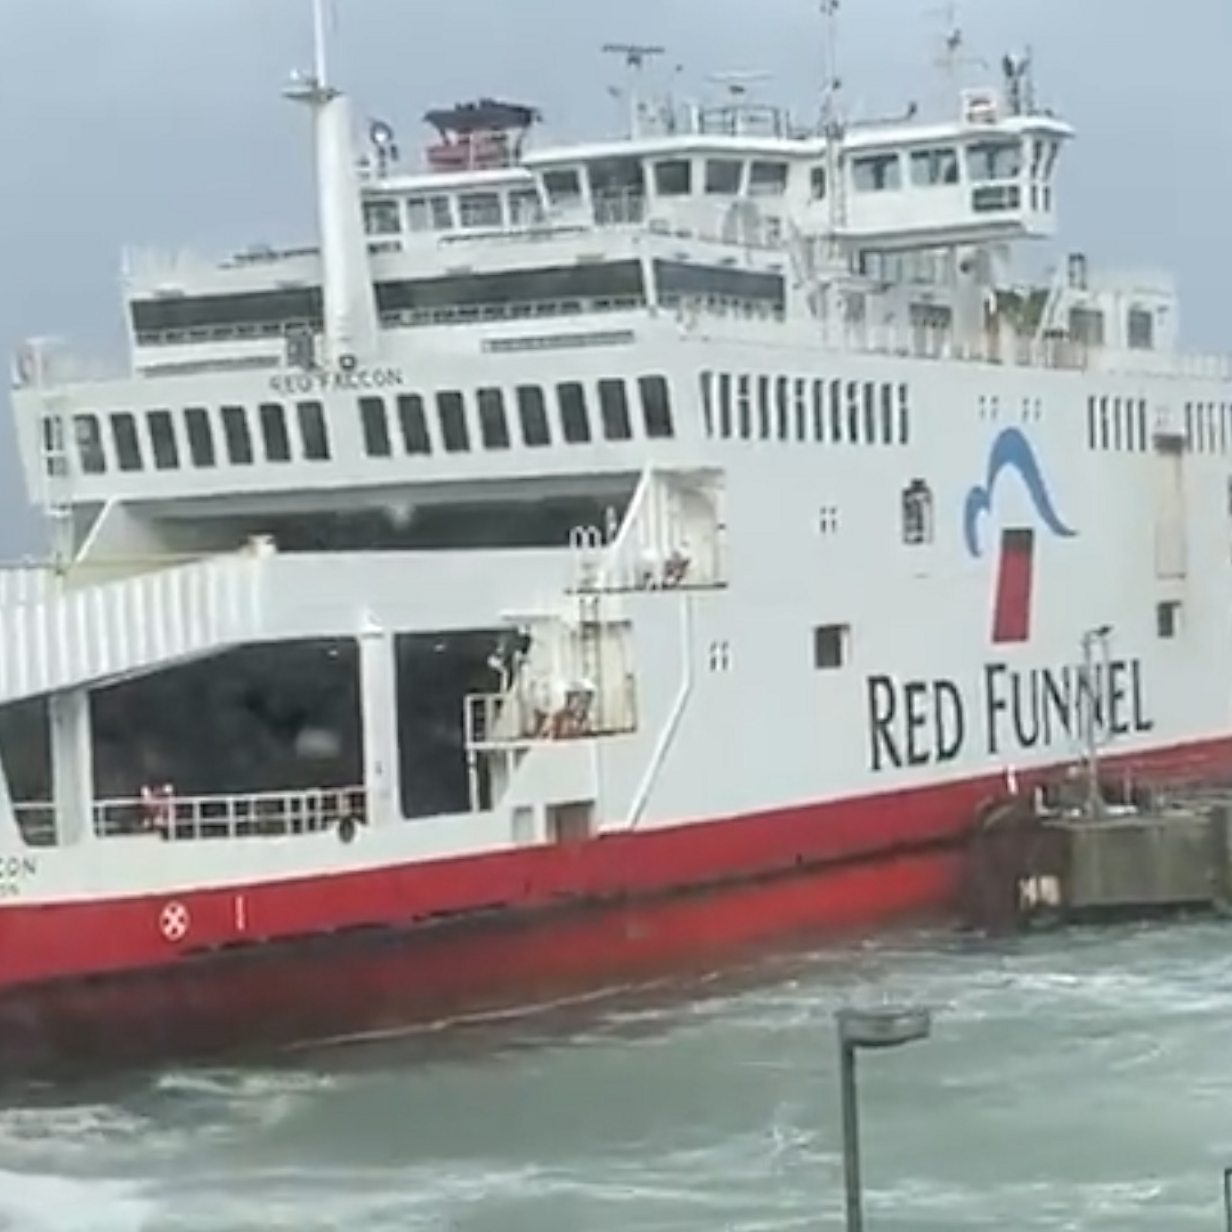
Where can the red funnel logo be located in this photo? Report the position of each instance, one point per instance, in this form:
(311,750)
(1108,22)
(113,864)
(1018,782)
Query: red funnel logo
(1015,574)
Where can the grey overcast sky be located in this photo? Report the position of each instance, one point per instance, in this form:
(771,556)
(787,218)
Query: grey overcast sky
(158,122)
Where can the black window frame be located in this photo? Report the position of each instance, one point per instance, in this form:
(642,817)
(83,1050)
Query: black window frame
(614,409)
(88,439)
(199,430)
(126,440)
(574,413)
(374,427)
(237,436)
(533,416)
(313,430)
(275,433)
(413,425)
(164,446)
(493,422)
(830,647)
(451,416)
(654,392)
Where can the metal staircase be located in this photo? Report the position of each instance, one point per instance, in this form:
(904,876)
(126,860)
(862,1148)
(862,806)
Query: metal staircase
(70,638)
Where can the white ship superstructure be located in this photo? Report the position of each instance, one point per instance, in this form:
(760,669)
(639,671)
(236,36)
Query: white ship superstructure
(694,526)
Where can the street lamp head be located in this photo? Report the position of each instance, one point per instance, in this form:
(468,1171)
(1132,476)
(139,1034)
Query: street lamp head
(884,1026)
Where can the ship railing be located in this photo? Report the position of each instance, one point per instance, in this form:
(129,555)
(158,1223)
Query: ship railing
(262,815)
(521,717)
(192,818)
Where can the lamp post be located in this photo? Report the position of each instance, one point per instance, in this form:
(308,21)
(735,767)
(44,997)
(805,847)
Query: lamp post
(1094,705)
(885,1027)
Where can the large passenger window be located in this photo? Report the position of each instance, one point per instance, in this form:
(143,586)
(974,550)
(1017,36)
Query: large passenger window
(574,419)
(723,176)
(127,444)
(930,168)
(614,408)
(673,178)
(767,179)
(200,436)
(451,410)
(533,416)
(312,431)
(237,435)
(89,434)
(414,423)
(656,405)
(375,426)
(162,438)
(274,434)
(493,427)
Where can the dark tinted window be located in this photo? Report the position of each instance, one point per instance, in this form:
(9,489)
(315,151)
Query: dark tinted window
(274,432)
(124,436)
(493,427)
(375,426)
(452,412)
(533,416)
(89,435)
(656,405)
(414,421)
(235,432)
(313,432)
(162,438)
(614,407)
(574,420)
(200,436)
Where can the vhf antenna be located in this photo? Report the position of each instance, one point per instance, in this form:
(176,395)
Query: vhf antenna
(635,56)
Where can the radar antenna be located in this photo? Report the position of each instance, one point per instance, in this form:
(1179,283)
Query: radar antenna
(636,56)
(832,82)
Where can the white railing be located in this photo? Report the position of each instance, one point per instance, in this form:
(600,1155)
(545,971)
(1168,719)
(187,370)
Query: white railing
(192,818)
(523,717)
(112,629)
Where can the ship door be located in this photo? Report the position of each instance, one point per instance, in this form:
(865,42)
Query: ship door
(1171,545)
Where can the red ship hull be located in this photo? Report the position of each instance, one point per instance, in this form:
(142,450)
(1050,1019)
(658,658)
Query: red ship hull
(98,982)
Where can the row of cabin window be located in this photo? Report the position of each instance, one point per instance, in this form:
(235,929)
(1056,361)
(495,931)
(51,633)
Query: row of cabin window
(1118,424)
(453,426)
(797,408)
(1208,427)
(164,447)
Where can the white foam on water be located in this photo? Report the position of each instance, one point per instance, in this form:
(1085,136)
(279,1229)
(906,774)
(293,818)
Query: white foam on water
(36,1202)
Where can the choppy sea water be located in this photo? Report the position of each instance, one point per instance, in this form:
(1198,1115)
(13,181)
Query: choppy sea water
(1074,1081)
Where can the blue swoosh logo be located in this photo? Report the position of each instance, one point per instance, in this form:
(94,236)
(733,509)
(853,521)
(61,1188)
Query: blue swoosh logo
(1011,451)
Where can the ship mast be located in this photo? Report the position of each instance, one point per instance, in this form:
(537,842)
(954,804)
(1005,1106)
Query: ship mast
(349,300)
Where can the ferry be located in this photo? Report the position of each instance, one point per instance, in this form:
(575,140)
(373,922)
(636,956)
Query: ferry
(584,559)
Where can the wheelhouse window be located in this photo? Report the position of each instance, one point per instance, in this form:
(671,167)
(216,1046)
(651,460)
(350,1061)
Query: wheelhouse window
(994,160)
(1140,326)
(374,423)
(723,176)
(533,416)
(479,209)
(274,435)
(932,168)
(162,439)
(413,420)
(124,438)
(656,406)
(313,433)
(382,218)
(89,435)
(563,187)
(817,183)
(200,436)
(237,436)
(574,418)
(614,410)
(673,177)
(767,179)
(525,208)
(493,426)
(451,411)
(877,173)
(429,213)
